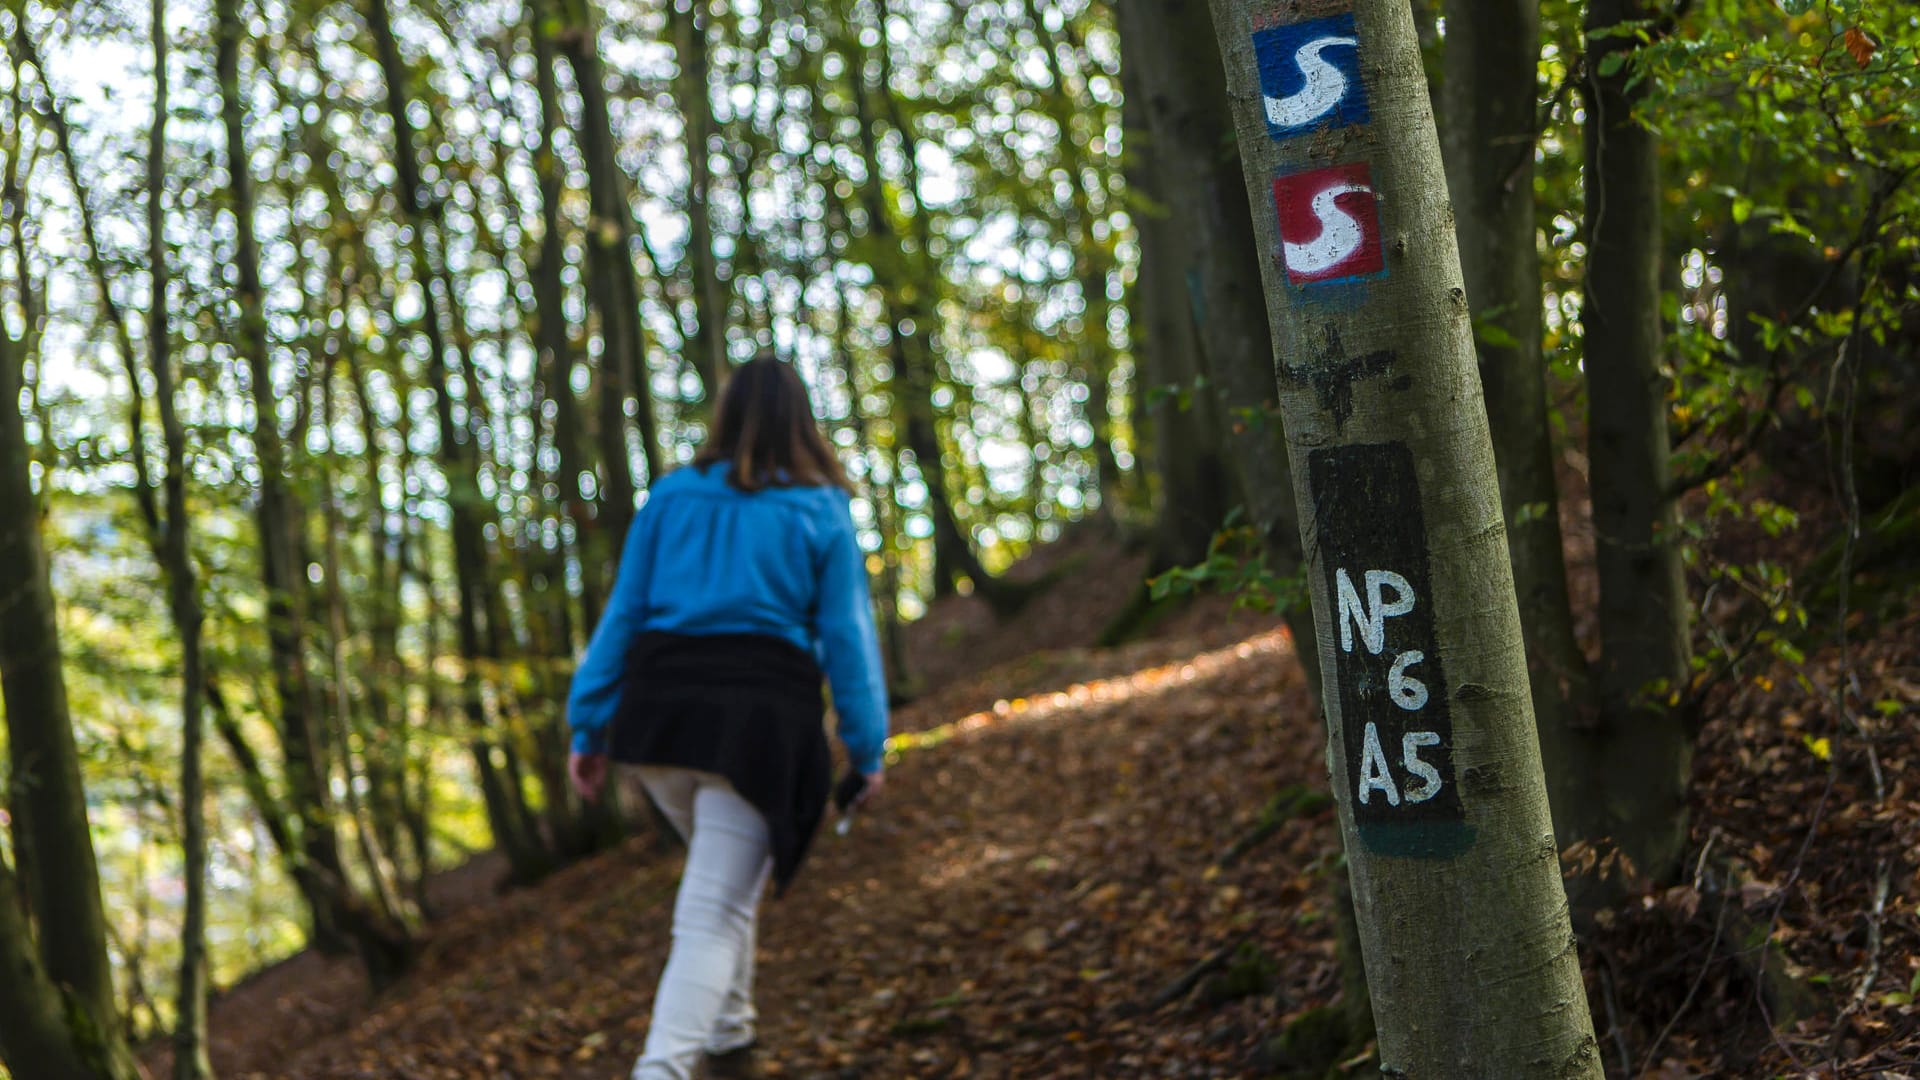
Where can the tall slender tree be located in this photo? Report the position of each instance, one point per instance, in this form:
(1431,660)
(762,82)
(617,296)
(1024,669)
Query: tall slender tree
(1644,752)
(614,283)
(1194,494)
(59,1015)
(1435,765)
(476,611)
(1491,59)
(599,525)
(692,89)
(911,302)
(1093,259)
(306,831)
(190,1060)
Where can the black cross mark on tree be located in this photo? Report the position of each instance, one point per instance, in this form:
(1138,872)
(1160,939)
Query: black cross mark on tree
(1332,374)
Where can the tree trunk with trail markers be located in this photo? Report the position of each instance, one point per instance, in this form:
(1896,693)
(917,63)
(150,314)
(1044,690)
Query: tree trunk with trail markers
(1431,746)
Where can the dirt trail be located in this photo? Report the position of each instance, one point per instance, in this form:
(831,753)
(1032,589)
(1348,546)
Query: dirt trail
(1041,870)
(1045,866)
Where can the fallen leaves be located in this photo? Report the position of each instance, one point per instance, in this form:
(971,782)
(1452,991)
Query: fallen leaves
(1050,865)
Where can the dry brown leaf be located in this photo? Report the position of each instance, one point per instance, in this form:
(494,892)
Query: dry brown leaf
(1861,45)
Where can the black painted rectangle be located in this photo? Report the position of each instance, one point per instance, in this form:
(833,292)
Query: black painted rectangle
(1388,671)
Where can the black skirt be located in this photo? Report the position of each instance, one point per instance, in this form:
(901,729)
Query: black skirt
(748,707)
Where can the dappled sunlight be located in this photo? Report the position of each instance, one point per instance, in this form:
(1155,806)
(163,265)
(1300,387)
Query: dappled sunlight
(1144,684)
(1080,702)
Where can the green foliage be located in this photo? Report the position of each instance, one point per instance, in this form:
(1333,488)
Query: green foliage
(1012,238)
(1236,565)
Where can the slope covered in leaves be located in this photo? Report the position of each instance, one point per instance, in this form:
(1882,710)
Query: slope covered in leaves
(1040,873)
(1046,876)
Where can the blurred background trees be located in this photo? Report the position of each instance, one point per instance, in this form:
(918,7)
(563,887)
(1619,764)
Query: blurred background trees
(334,386)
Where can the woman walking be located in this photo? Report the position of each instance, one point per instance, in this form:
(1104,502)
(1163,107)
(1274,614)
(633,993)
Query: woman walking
(741,581)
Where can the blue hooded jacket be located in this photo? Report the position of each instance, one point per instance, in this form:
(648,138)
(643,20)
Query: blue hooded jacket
(703,557)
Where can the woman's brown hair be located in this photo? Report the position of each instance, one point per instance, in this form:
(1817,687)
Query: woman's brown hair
(764,429)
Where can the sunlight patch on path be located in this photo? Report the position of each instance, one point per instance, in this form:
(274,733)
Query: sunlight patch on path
(1146,683)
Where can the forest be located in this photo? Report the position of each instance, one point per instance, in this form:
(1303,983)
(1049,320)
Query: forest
(341,340)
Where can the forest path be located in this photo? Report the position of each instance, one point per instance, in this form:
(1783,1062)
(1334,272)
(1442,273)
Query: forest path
(1040,870)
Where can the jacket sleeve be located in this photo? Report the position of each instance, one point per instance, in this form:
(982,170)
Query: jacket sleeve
(596,682)
(850,649)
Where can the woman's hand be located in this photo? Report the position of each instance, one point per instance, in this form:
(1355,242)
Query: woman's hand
(588,773)
(875,781)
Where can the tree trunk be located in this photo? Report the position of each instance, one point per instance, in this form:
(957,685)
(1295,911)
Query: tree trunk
(614,286)
(281,558)
(592,527)
(58,1014)
(35,1038)
(1194,489)
(373,854)
(1435,765)
(54,116)
(190,1060)
(1491,60)
(1644,754)
(708,348)
(912,313)
(475,614)
(893,636)
(1184,96)
(386,689)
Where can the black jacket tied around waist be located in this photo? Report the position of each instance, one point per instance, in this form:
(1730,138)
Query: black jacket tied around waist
(748,707)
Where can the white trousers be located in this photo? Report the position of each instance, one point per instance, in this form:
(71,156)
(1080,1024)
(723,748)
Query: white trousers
(705,1001)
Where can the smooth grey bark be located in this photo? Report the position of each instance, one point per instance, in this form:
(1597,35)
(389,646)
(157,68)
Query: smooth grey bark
(1469,950)
(1489,96)
(1643,754)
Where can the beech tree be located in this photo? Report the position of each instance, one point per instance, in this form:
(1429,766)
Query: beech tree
(59,1017)
(305,829)
(1435,764)
(1642,757)
(1488,127)
(174,553)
